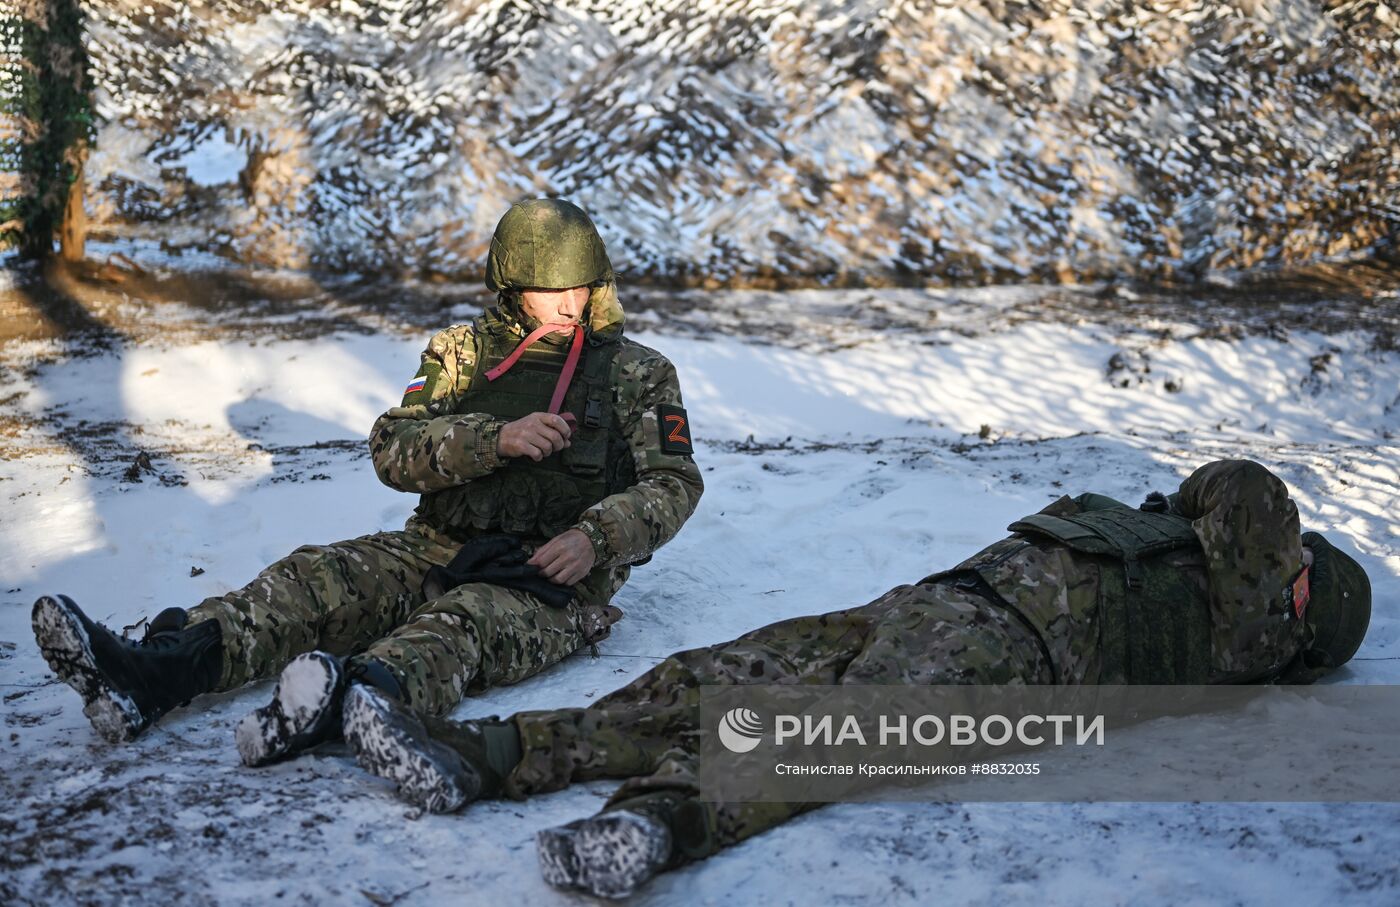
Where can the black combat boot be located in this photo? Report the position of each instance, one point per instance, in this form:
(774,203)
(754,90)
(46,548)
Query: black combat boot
(438,764)
(127,685)
(305,710)
(608,855)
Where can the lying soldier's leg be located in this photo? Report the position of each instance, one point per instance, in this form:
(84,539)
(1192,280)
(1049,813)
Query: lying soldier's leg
(474,637)
(925,635)
(648,730)
(649,825)
(633,730)
(436,763)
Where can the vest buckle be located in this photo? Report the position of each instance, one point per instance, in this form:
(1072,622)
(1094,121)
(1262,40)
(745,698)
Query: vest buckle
(1132,571)
(593,413)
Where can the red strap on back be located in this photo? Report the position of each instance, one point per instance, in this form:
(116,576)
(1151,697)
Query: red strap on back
(566,375)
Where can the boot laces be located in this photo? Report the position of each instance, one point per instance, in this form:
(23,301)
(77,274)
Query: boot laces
(162,638)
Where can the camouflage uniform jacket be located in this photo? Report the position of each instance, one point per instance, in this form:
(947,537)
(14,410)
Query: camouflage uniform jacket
(428,444)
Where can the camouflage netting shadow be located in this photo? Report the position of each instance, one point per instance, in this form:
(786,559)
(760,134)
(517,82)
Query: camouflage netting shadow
(854,142)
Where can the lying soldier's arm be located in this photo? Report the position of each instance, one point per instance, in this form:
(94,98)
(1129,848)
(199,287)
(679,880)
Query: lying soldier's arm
(628,526)
(1248,528)
(421,445)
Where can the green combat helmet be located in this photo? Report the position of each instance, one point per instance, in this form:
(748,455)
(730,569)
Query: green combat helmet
(1340,608)
(546,244)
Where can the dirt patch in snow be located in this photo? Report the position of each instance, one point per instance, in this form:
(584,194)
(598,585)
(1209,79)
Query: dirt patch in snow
(94,305)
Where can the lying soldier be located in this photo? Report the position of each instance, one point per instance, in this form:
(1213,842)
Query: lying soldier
(1206,586)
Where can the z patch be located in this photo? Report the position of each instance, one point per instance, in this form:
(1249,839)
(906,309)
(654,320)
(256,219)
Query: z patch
(675,429)
(420,389)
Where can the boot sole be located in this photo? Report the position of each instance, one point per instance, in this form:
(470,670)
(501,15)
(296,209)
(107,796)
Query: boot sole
(305,691)
(395,746)
(610,855)
(66,647)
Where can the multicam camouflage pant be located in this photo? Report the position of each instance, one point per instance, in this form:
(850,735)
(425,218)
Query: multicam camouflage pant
(648,732)
(363,598)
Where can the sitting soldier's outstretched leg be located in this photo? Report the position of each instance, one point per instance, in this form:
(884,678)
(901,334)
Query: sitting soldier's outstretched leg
(307,706)
(339,598)
(128,685)
(474,637)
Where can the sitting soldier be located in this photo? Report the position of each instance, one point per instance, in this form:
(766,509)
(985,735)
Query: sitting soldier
(550,453)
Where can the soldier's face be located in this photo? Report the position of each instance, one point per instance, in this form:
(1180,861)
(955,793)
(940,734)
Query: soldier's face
(554,306)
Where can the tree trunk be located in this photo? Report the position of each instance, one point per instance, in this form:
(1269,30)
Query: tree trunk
(52,107)
(72,232)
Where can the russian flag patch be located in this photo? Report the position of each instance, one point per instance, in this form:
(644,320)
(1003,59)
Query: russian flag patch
(416,385)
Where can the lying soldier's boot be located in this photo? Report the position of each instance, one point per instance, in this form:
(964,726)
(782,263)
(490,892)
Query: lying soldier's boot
(438,764)
(609,855)
(306,707)
(127,685)
(391,741)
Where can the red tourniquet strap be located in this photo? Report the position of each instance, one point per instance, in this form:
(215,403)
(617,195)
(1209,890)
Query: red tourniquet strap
(566,376)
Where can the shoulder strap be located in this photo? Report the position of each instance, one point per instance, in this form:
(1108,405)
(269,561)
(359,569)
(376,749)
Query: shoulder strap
(1121,532)
(597,379)
(479,350)
(1068,532)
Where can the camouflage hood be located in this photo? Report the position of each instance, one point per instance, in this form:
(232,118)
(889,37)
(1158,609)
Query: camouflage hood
(603,315)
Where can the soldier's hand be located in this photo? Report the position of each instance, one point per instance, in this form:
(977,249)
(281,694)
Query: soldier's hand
(566,558)
(535,436)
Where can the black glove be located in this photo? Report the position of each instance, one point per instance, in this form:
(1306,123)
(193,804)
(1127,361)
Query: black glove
(500,560)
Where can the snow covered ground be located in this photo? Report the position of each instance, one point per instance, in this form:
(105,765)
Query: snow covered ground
(835,468)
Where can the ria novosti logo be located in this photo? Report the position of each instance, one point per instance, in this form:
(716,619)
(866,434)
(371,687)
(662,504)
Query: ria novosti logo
(740,730)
